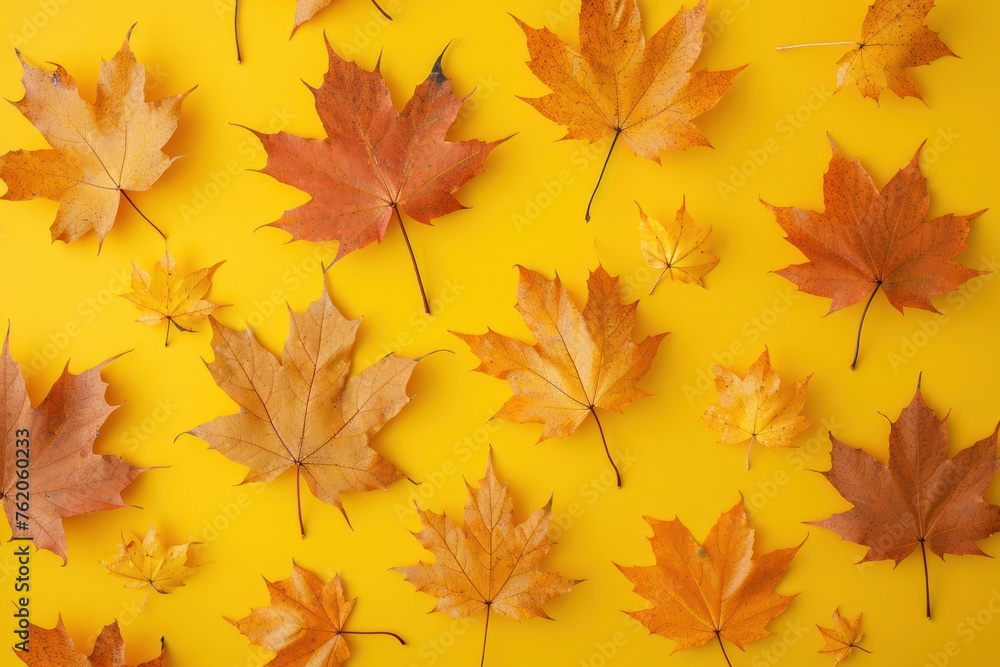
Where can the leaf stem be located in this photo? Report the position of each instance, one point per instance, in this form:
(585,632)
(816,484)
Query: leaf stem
(927,581)
(599,178)
(486,633)
(166,340)
(298,497)
(799,46)
(618,475)
(373,632)
(857,344)
(236,29)
(151,224)
(378,7)
(413,260)
(724,654)
(861,648)
(658,279)
(752,438)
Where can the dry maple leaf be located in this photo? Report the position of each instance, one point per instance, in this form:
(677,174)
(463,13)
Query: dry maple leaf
(150,564)
(841,640)
(374,162)
(869,240)
(306,410)
(55,439)
(758,407)
(489,562)
(714,590)
(893,39)
(921,497)
(642,91)
(100,152)
(170,296)
(304,624)
(51,648)
(677,249)
(581,360)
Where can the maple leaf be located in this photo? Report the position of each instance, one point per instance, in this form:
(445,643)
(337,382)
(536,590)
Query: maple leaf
(676,249)
(758,407)
(304,624)
(55,438)
(869,240)
(170,296)
(718,589)
(55,647)
(581,360)
(921,497)
(150,564)
(489,562)
(373,162)
(893,39)
(841,640)
(100,152)
(642,91)
(306,410)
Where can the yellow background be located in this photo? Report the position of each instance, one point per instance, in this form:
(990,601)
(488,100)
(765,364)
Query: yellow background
(467,261)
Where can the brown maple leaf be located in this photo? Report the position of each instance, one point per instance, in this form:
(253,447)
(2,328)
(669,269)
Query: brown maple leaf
(893,39)
(150,564)
(170,296)
(869,240)
(676,249)
(489,562)
(841,640)
(921,497)
(642,91)
(304,624)
(758,407)
(581,360)
(61,476)
(718,589)
(100,152)
(374,162)
(307,410)
(51,648)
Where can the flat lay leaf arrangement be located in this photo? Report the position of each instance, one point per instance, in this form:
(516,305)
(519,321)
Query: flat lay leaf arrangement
(313,407)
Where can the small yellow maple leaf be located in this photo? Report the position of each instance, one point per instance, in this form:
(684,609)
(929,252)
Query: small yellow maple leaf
(171,296)
(758,407)
(842,638)
(676,248)
(150,563)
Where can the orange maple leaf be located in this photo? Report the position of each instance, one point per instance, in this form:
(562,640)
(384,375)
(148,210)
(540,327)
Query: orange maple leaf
(52,647)
(100,152)
(869,240)
(758,407)
(374,162)
(841,640)
(642,91)
(489,562)
(307,410)
(581,360)
(718,589)
(921,497)
(304,624)
(55,441)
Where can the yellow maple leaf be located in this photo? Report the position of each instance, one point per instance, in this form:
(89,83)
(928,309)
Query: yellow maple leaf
(842,638)
(675,248)
(150,563)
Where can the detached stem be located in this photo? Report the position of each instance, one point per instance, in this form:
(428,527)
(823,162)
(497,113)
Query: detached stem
(724,654)
(151,224)
(298,497)
(800,46)
(927,581)
(486,633)
(618,475)
(413,260)
(374,632)
(606,160)
(861,324)
(378,7)
(236,29)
